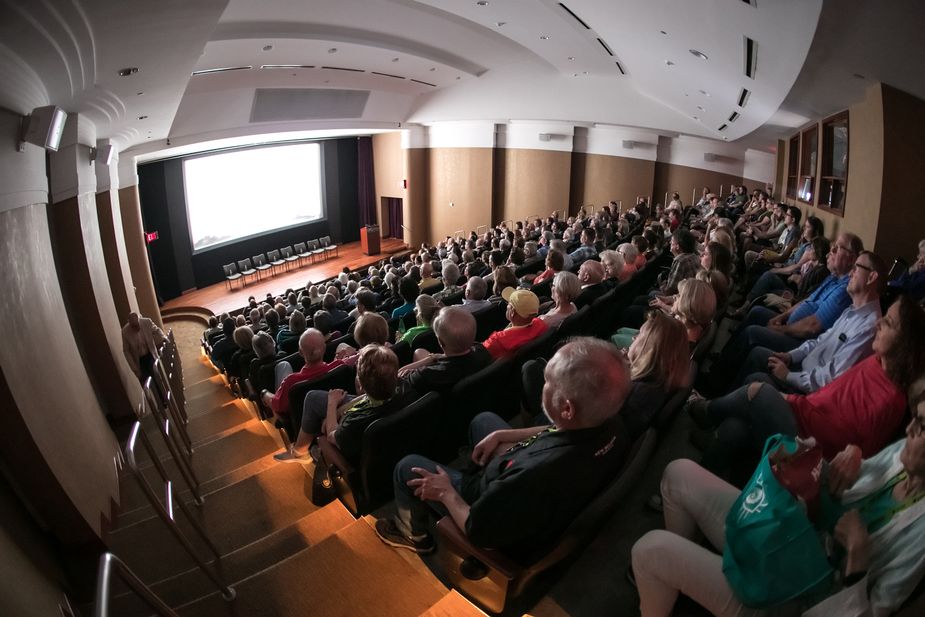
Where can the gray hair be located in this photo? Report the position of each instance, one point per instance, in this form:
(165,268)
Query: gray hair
(263,345)
(592,375)
(629,250)
(567,285)
(455,329)
(450,273)
(477,288)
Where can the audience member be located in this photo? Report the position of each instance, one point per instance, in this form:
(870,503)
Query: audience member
(311,348)
(522,310)
(140,340)
(425,309)
(565,288)
(591,277)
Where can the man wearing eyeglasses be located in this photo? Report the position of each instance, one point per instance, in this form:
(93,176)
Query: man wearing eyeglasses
(805,320)
(820,360)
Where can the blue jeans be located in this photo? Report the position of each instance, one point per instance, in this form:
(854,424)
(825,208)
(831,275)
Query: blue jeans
(413,514)
(767,283)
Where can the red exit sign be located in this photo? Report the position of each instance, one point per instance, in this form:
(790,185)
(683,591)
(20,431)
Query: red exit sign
(150,237)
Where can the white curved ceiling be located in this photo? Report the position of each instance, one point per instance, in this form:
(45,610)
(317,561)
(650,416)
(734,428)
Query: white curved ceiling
(584,61)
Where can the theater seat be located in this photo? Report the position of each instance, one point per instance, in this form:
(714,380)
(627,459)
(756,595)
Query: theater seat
(505,578)
(366,484)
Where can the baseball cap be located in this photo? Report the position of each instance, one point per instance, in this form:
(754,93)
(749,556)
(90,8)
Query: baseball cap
(524,302)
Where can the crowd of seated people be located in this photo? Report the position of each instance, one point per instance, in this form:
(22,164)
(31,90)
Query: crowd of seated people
(813,357)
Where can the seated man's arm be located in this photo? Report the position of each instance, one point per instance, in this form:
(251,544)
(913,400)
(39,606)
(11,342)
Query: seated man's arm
(497,441)
(438,487)
(808,327)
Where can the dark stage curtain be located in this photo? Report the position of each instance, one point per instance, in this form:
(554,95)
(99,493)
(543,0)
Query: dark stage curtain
(366,181)
(394,206)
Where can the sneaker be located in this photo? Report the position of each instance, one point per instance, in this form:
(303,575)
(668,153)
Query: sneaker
(697,408)
(291,456)
(389,533)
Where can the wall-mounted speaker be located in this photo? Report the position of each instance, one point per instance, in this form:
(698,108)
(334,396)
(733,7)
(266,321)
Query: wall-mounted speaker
(709,157)
(45,126)
(545,136)
(104,154)
(629,144)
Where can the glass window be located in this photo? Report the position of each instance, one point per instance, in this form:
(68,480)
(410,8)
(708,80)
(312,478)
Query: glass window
(809,150)
(834,177)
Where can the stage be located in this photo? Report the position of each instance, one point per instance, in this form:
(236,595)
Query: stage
(218,299)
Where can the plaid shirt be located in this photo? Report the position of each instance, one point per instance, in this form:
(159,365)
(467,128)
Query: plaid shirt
(683,267)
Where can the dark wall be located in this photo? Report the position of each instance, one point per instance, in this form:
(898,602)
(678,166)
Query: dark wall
(163,208)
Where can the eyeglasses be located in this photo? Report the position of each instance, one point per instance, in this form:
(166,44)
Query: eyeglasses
(862,267)
(839,247)
(917,426)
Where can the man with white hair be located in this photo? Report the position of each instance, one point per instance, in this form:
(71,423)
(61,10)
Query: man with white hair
(427,277)
(311,348)
(450,273)
(506,504)
(140,339)
(474,299)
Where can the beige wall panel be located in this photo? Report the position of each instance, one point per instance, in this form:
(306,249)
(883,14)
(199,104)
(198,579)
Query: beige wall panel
(85,282)
(416,205)
(597,179)
(388,163)
(135,249)
(532,182)
(113,243)
(902,215)
(688,180)
(49,394)
(461,177)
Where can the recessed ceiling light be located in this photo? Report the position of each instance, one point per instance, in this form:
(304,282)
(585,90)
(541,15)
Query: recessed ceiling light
(700,107)
(432,69)
(139,94)
(500,24)
(544,37)
(699,54)
(394,59)
(333,50)
(458,77)
(571,58)
(482,3)
(131,70)
(663,32)
(267,47)
(704,92)
(142,117)
(574,74)
(584,72)
(669,63)
(858,76)
(695,117)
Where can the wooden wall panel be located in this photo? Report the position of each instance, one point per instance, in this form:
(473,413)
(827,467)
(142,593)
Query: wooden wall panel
(53,435)
(597,179)
(685,180)
(533,182)
(461,177)
(112,239)
(137,253)
(901,221)
(416,205)
(388,163)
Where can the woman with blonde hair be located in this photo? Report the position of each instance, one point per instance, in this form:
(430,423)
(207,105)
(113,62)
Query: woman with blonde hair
(614,265)
(694,307)
(565,288)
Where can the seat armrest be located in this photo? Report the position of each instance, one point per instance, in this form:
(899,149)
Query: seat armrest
(459,544)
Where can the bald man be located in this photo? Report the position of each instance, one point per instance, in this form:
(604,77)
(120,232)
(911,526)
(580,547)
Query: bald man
(462,356)
(507,503)
(311,348)
(591,277)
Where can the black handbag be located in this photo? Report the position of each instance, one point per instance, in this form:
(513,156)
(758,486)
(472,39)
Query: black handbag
(323,491)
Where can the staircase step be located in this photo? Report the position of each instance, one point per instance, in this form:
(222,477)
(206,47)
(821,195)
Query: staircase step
(454,604)
(241,563)
(232,517)
(350,573)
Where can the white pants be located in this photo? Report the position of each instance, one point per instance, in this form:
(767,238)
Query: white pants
(670,561)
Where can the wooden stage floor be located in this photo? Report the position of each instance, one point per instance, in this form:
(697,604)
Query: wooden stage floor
(217,298)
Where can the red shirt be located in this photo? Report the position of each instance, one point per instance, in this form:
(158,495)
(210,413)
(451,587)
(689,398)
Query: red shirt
(861,407)
(280,401)
(627,272)
(545,274)
(640,261)
(503,343)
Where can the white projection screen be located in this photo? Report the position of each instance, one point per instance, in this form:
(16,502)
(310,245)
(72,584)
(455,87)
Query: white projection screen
(234,195)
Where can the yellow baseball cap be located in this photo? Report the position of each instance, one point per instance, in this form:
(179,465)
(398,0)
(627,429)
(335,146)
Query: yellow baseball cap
(524,302)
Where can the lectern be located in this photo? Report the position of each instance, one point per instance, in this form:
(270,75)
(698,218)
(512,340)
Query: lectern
(369,239)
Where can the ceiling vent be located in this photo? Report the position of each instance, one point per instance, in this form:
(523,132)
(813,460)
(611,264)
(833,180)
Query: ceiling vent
(606,48)
(288,104)
(340,68)
(224,69)
(574,16)
(734,116)
(620,68)
(387,75)
(751,57)
(754,3)
(722,128)
(418,81)
(743,97)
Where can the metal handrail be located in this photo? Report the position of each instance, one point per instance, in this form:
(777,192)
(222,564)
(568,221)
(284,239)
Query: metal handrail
(170,404)
(108,561)
(166,515)
(183,463)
